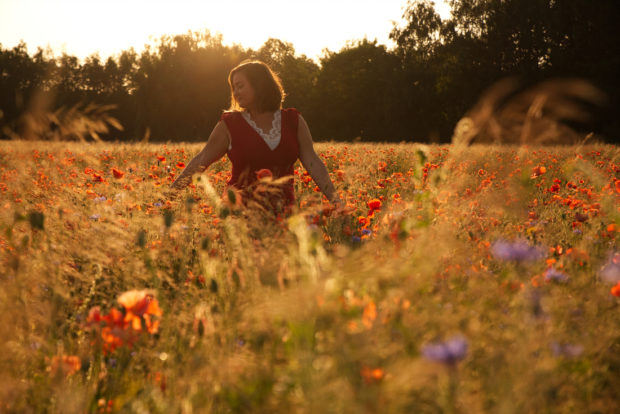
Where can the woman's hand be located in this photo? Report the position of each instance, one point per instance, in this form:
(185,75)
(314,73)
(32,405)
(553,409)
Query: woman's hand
(216,148)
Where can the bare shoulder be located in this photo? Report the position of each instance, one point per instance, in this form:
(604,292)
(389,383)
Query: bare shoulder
(302,121)
(220,133)
(220,128)
(304,138)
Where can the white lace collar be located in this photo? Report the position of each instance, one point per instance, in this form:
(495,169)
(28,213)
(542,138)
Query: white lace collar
(272,138)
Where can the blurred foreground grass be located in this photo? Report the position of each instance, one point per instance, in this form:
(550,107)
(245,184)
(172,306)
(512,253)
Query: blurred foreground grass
(476,279)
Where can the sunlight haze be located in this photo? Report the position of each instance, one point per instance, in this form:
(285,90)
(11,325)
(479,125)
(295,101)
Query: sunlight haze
(82,28)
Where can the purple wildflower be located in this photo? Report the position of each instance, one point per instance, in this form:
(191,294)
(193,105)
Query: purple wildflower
(366,232)
(519,251)
(448,352)
(610,273)
(554,275)
(565,349)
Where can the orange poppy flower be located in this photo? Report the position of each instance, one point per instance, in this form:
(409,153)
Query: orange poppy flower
(140,304)
(263,173)
(110,340)
(370,314)
(64,364)
(371,375)
(374,204)
(118,174)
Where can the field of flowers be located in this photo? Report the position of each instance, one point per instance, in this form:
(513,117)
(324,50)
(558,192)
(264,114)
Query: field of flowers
(457,279)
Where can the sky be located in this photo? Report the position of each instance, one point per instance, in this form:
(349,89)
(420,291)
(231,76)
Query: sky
(81,28)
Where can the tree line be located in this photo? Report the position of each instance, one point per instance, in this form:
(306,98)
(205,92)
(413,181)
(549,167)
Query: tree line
(417,90)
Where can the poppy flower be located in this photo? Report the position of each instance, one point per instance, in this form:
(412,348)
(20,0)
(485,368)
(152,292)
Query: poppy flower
(111,340)
(370,314)
(374,204)
(180,164)
(371,375)
(118,174)
(538,171)
(64,364)
(140,304)
(264,173)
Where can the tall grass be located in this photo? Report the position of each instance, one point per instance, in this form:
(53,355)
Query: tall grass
(323,311)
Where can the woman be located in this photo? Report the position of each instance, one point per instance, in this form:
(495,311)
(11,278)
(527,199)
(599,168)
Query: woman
(260,138)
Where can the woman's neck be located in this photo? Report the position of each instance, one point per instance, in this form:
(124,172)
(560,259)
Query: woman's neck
(255,114)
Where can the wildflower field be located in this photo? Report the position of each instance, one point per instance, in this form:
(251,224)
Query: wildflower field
(466,279)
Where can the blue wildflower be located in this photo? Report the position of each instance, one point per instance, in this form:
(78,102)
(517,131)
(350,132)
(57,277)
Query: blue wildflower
(158,204)
(610,272)
(518,251)
(565,349)
(366,232)
(448,352)
(554,275)
(99,199)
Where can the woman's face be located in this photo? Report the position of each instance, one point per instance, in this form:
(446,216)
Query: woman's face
(242,90)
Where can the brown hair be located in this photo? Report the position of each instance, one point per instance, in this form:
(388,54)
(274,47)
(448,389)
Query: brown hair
(265,82)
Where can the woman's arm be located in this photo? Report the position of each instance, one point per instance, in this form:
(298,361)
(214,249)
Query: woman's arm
(312,163)
(216,148)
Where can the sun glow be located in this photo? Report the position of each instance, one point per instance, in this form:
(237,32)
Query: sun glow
(82,28)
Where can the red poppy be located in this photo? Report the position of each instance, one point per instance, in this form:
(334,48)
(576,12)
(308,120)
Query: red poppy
(374,204)
(64,364)
(263,173)
(118,174)
(140,304)
(538,171)
(371,375)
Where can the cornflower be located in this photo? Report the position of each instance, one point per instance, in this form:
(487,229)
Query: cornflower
(518,251)
(554,275)
(610,272)
(566,349)
(449,352)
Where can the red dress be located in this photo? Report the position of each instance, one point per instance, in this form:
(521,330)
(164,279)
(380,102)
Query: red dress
(250,153)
